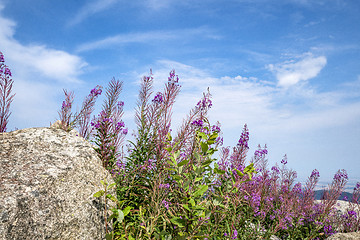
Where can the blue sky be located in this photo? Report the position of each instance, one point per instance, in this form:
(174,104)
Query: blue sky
(290,69)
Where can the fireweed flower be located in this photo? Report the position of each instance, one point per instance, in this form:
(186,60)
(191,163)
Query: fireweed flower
(244,138)
(315,174)
(341,174)
(120,164)
(2,59)
(215,128)
(204,103)
(198,123)
(96,91)
(173,79)
(158,98)
(120,103)
(166,204)
(275,169)
(352,214)
(235,234)
(166,185)
(261,152)
(284,160)
(7,71)
(66,105)
(220,140)
(120,125)
(297,188)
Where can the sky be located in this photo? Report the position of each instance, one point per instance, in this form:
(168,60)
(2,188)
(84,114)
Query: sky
(289,69)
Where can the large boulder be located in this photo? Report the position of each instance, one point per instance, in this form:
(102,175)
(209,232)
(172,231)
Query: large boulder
(47,180)
(345,236)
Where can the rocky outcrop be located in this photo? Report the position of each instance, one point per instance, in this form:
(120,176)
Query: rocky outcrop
(47,181)
(345,236)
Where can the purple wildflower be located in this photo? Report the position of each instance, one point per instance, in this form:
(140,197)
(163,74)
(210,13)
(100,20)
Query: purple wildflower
(166,185)
(173,79)
(158,98)
(352,214)
(315,174)
(261,152)
(166,204)
(244,138)
(215,128)
(275,169)
(7,71)
(120,125)
(121,104)
(341,174)
(125,131)
(96,91)
(284,160)
(204,103)
(2,59)
(198,123)
(235,234)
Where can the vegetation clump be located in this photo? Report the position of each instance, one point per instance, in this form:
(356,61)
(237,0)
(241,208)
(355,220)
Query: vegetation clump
(170,186)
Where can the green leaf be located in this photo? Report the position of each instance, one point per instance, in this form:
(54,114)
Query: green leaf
(213,136)
(127,210)
(207,163)
(211,151)
(111,185)
(120,217)
(202,135)
(202,189)
(131,237)
(109,236)
(103,183)
(186,207)
(99,193)
(239,173)
(218,171)
(169,137)
(192,202)
(109,196)
(182,163)
(198,179)
(204,147)
(178,221)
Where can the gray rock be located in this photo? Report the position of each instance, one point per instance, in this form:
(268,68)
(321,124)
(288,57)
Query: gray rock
(47,181)
(345,236)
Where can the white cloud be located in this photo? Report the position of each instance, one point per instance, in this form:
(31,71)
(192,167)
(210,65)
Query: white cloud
(291,73)
(38,59)
(39,73)
(148,37)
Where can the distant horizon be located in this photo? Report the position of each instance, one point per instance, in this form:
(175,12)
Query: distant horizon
(288,69)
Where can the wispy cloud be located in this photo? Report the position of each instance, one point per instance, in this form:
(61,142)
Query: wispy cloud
(148,37)
(91,8)
(290,73)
